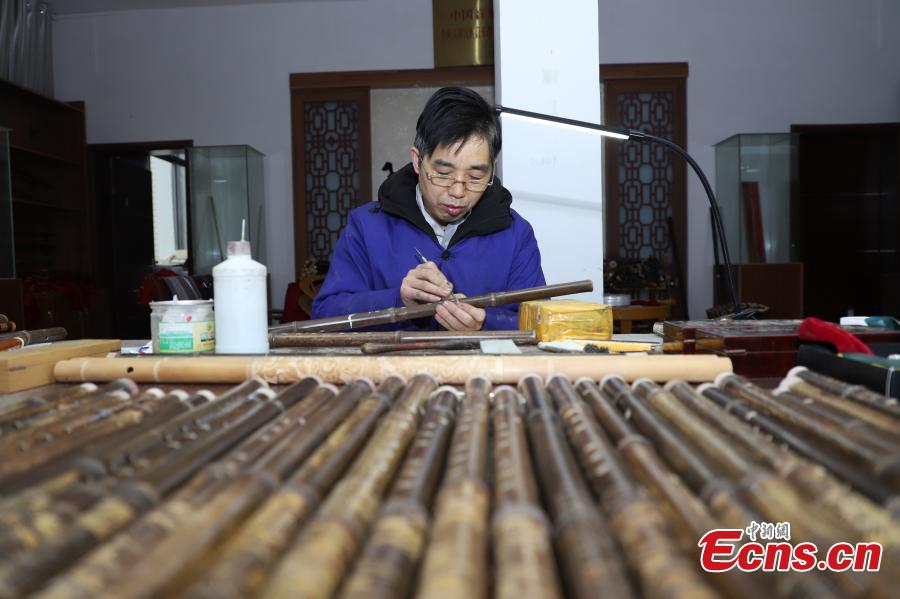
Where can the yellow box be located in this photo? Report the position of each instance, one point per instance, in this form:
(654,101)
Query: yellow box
(557,320)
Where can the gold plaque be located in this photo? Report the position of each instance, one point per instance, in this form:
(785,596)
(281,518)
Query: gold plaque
(463,32)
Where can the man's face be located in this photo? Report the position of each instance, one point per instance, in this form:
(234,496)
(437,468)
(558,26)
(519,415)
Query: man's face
(468,161)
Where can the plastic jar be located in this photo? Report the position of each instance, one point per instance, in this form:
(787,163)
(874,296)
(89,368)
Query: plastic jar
(182,326)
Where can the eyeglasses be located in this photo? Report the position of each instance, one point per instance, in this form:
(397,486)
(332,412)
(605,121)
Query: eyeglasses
(468,184)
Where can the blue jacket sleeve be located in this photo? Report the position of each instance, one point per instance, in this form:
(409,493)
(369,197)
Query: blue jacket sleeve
(525,271)
(348,288)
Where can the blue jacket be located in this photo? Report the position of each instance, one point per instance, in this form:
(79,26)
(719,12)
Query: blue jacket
(494,249)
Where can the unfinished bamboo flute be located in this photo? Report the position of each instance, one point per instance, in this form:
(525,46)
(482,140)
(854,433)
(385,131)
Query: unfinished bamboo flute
(588,551)
(455,565)
(348,339)
(393,315)
(523,553)
(663,570)
(321,556)
(387,565)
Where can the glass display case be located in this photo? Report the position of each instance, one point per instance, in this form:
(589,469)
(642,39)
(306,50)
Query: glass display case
(755,173)
(7,242)
(226,188)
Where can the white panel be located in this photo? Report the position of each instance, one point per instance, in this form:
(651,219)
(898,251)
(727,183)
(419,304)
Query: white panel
(547,61)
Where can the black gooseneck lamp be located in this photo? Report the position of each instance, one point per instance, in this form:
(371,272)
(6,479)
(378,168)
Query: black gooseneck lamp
(624,134)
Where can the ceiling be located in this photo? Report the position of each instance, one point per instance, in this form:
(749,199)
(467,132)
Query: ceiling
(67,7)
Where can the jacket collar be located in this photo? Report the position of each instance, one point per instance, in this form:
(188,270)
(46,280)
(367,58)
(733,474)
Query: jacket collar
(397,197)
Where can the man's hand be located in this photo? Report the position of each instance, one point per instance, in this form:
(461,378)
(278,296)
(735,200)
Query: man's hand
(459,317)
(424,284)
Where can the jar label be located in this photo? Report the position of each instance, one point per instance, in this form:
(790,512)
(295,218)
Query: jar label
(187,337)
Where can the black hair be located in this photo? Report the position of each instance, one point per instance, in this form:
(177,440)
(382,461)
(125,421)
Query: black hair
(453,115)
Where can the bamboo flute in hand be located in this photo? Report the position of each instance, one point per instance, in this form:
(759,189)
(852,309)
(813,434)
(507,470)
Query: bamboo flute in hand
(321,556)
(456,558)
(524,563)
(640,527)
(393,315)
(347,339)
(391,556)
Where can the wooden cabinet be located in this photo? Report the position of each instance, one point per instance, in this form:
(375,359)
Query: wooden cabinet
(53,224)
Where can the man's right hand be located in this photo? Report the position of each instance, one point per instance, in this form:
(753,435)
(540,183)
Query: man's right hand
(424,284)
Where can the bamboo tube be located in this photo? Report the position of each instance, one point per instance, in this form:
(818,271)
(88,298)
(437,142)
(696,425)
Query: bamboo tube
(819,488)
(393,315)
(360,338)
(341,369)
(26,572)
(30,337)
(391,555)
(770,496)
(882,421)
(862,430)
(33,406)
(690,517)
(456,558)
(586,548)
(838,465)
(524,564)
(855,393)
(112,563)
(242,567)
(317,562)
(385,348)
(639,526)
(884,465)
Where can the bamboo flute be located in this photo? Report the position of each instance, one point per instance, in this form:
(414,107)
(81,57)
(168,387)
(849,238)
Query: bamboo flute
(838,465)
(770,496)
(320,557)
(36,440)
(393,315)
(391,555)
(440,345)
(455,564)
(171,565)
(856,393)
(112,563)
(524,563)
(341,369)
(819,488)
(586,548)
(241,568)
(690,517)
(636,521)
(347,339)
(34,406)
(147,441)
(33,336)
(24,573)
(883,465)
(864,416)
(862,430)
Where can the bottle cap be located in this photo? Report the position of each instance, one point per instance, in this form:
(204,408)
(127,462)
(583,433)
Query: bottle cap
(238,248)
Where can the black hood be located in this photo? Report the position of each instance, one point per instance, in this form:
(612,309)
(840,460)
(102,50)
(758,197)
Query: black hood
(397,197)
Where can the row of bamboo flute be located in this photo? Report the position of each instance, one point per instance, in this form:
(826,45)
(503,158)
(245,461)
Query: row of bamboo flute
(546,490)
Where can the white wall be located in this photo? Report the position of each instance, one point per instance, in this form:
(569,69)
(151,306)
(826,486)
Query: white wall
(219,75)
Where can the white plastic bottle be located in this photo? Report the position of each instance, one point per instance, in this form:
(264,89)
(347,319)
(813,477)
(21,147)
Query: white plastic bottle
(239,289)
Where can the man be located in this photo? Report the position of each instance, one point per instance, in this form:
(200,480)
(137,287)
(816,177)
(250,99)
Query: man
(442,227)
